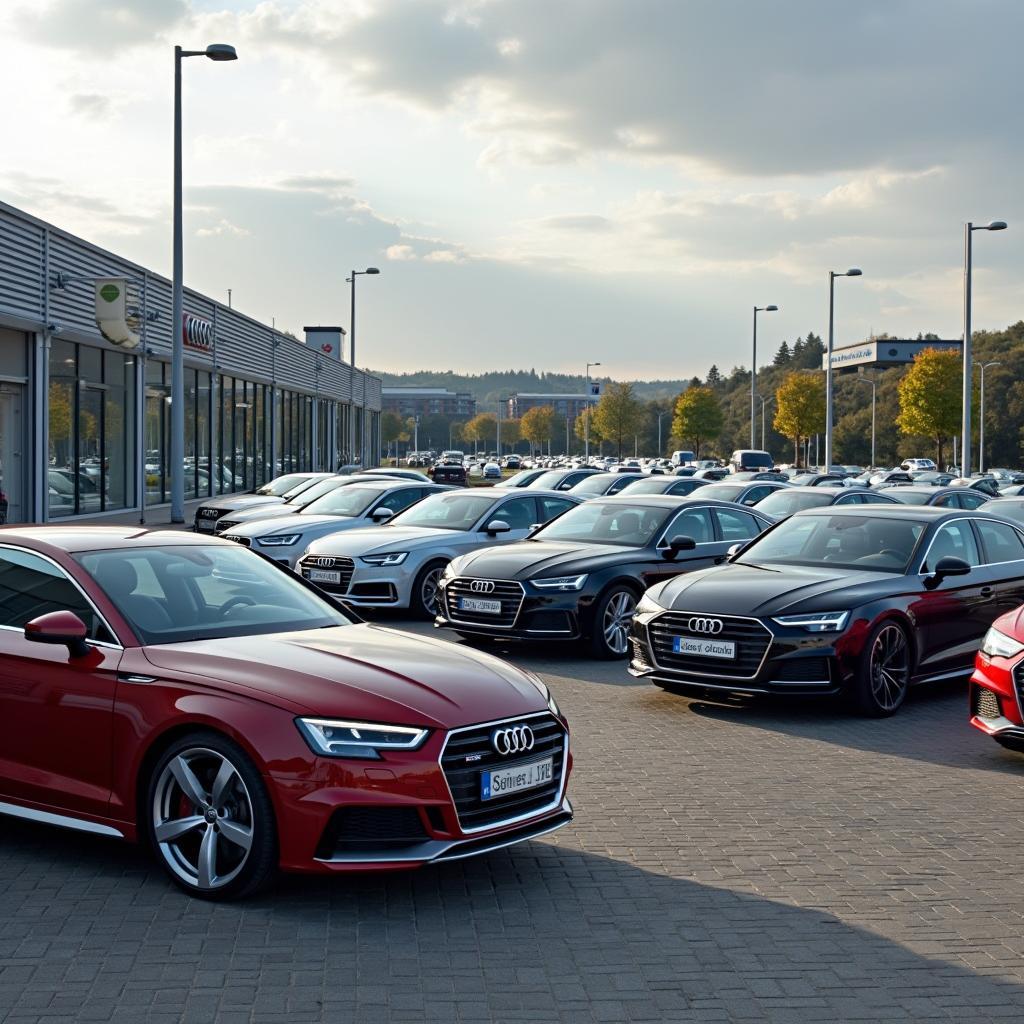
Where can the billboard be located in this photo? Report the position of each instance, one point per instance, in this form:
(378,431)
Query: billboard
(118,323)
(883,352)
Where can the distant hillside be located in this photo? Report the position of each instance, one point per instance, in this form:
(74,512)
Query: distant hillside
(486,387)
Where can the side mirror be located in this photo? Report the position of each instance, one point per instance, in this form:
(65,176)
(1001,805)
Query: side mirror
(735,549)
(677,544)
(60,628)
(381,515)
(948,565)
(496,526)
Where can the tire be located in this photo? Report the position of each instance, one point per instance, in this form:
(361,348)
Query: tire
(883,675)
(420,603)
(210,820)
(609,630)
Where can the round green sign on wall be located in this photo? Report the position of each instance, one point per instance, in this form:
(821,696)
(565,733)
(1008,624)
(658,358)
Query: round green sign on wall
(109,292)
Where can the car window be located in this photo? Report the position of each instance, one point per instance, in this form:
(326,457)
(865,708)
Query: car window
(398,500)
(953,539)
(352,500)
(755,494)
(622,482)
(446,511)
(693,522)
(31,586)
(786,502)
(736,526)
(598,522)
(519,513)
(684,486)
(1002,543)
(971,499)
(551,507)
(948,501)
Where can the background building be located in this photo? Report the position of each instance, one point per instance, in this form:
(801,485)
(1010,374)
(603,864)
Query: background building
(85,425)
(564,405)
(428,402)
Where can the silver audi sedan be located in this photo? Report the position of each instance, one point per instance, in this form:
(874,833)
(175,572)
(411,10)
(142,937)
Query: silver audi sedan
(399,564)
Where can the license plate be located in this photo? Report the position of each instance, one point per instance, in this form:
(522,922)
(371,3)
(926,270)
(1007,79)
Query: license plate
(477,604)
(206,525)
(504,781)
(324,576)
(703,648)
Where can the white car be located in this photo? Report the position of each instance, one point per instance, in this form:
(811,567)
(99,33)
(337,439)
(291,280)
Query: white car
(285,538)
(917,465)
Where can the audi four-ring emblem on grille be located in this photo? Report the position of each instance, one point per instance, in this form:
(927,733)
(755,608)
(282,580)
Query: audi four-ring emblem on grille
(482,586)
(209,513)
(323,563)
(515,739)
(701,625)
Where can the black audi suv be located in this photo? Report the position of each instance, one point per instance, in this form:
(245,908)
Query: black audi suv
(580,576)
(866,600)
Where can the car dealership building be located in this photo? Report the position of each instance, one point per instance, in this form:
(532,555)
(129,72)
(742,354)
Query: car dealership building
(85,423)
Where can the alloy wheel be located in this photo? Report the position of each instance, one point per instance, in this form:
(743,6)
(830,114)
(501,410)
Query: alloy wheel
(430,590)
(889,667)
(203,818)
(618,614)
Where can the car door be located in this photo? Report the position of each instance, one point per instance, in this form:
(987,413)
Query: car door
(1002,549)
(56,712)
(519,513)
(687,522)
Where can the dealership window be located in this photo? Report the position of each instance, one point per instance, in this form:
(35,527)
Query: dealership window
(91,430)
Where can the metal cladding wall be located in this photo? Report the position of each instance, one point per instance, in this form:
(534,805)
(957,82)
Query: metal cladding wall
(33,252)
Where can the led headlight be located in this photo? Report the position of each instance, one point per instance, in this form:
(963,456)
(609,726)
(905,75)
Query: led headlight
(561,582)
(999,645)
(332,738)
(648,606)
(385,558)
(449,573)
(280,540)
(816,622)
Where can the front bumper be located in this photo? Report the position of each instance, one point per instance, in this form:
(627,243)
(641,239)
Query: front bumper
(997,699)
(366,586)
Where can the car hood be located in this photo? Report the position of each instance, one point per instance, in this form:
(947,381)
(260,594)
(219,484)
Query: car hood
(530,559)
(258,513)
(738,589)
(386,538)
(292,524)
(237,501)
(362,672)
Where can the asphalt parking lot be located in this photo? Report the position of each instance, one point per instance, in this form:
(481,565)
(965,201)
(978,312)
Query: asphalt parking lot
(727,863)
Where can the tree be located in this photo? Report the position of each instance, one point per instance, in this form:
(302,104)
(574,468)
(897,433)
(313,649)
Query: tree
(698,417)
(511,431)
(580,427)
(538,424)
(931,399)
(619,414)
(392,428)
(800,408)
(482,427)
(782,357)
(714,377)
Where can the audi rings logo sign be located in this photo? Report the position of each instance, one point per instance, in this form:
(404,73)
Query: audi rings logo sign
(481,586)
(515,739)
(197,333)
(322,563)
(700,625)
(209,513)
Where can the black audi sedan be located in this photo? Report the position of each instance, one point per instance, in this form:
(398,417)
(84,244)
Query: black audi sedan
(866,601)
(788,500)
(580,576)
(943,497)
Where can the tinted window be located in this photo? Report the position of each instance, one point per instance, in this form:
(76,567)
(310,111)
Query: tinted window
(596,483)
(723,492)
(695,523)
(599,523)
(30,586)
(550,480)
(684,487)
(1002,543)
(908,497)
(971,499)
(644,485)
(399,500)
(784,503)
(343,501)
(623,481)
(736,526)
(755,494)
(551,507)
(282,484)
(955,539)
(519,513)
(446,511)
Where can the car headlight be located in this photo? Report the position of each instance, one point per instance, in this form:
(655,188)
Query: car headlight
(648,606)
(332,738)
(449,572)
(385,558)
(816,622)
(279,540)
(999,645)
(545,692)
(561,582)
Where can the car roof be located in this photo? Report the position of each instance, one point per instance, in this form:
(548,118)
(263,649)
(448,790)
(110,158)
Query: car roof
(895,491)
(924,513)
(72,538)
(664,501)
(520,492)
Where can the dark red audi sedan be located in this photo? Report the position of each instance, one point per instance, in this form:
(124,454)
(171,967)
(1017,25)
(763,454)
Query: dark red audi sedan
(189,693)
(997,686)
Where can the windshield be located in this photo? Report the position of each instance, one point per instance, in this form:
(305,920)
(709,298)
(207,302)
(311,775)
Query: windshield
(785,503)
(445,511)
(723,492)
(199,592)
(317,490)
(600,523)
(283,484)
(596,484)
(520,479)
(657,485)
(301,488)
(550,480)
(343,501)
(838,542)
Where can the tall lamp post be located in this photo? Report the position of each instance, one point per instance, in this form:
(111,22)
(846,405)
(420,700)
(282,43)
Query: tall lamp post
(586,419)
(215,51)
(753,369)
(661,416)
(832,275)
(765,402)
(981,414)
(352,362)
(965,442)
(874,387)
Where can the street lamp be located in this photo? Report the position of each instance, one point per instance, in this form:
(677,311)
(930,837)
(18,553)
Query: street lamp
(981,417)
(352,361)
(765,402)
(874,386)
(965,443)
(586,419)
(753,368)
(215,51)
(832,275)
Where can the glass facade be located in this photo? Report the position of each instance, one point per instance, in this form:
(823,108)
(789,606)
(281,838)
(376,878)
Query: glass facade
(91,425)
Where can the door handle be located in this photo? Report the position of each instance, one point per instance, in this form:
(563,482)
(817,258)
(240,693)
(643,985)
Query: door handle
(987,591)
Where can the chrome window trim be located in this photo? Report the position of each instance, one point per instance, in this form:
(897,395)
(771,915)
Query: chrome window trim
(546,809)
(117,645)
(708,675)
(684,511)
(941,526)
(999,522)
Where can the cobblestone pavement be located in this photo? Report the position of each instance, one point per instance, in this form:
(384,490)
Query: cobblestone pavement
(739,863)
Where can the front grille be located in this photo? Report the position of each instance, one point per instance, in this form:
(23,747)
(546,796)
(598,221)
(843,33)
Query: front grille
(1018,682)
(509,593)
(469,751)
(354,829)
(340,563)
(984,703)
(751,637)
(225,524)
(802,670)
(247,541)
(207,515)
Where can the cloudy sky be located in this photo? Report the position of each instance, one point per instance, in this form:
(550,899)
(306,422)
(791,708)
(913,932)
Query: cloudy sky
(541,182)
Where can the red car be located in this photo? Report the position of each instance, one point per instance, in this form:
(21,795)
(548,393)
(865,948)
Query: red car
(185,691)
(997,685)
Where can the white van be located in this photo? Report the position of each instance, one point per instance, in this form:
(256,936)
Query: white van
(745,460)
(683,458)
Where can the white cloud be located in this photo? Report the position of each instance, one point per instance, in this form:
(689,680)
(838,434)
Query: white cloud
(400,252)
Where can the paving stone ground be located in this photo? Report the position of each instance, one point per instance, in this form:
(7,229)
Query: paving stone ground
(782,863)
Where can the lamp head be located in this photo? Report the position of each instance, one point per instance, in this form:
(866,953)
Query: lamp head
(996,225)
(853,272)
(221,51)
(771,309)
(371,270)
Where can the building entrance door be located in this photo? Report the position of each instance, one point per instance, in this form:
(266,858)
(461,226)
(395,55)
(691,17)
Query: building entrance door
(12,438)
